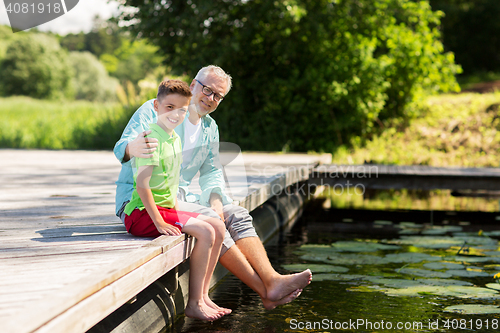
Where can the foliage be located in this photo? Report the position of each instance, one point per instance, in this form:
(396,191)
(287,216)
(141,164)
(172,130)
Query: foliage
(456,130)
(6,36)
(90,80)
(32,123)
(125,58)
(104,38)
(35,65)
(132,61)
(308,75)
(471,29)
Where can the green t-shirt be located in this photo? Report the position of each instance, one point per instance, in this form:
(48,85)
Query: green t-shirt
(164,183)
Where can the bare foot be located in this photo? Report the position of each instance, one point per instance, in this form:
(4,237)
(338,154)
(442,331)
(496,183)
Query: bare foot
(211,304)
(201,311)
(269,305)
(286,284)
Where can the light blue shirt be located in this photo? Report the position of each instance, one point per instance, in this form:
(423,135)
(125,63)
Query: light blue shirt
(205,159)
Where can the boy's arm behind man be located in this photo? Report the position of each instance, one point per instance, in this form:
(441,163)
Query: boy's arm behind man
(143,189)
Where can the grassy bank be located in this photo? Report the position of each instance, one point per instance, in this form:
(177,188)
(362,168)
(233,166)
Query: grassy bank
(455,130)
(32,123)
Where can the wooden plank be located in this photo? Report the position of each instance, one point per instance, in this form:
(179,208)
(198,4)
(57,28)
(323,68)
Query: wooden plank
(111,290)
(93,309)
(76,292)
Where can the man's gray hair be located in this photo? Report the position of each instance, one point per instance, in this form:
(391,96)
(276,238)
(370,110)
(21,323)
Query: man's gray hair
(212,69)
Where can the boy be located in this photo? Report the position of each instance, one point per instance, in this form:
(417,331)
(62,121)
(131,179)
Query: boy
(152,210)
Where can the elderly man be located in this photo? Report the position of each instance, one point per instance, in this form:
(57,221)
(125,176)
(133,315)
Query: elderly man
(243,253)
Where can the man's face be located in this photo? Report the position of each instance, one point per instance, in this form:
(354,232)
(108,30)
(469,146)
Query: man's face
(206,104)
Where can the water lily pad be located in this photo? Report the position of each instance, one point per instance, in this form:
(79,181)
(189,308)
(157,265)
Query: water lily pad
(353,246)
(409,257)
(494,233)
(423,272)
(443,265)
(316,268)
(337,277)
(393,283)
(430,242)
(315,249)
(492,253)
(495,286)
(411,225)
(472,309)
(466,273)
(477,240)
(473,292)
(441,230)
(348,259)
(475,259)
(444,282)
(450,291)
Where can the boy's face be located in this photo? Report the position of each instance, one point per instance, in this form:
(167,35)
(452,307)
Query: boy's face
(171,111)
(207,104)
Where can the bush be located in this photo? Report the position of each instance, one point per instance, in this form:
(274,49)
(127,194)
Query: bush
(91,81)
(36,66)
(308,75)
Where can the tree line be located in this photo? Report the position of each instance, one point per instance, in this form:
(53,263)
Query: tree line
(308,74)
(101,65)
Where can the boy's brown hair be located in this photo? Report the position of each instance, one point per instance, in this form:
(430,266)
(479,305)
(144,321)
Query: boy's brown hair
(168,87)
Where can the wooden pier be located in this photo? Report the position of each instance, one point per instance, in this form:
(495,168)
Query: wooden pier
(66,262)
(417,177)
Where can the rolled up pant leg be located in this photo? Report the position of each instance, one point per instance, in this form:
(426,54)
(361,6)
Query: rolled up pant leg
(239,223)
(196,208)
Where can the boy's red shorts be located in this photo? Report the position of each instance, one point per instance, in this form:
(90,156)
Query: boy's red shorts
(139,223)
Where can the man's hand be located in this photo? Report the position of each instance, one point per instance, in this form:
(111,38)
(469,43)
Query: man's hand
(216,205)
(141,147)
(167,229)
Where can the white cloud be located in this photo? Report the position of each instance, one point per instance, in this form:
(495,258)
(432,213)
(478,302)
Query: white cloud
(80,18)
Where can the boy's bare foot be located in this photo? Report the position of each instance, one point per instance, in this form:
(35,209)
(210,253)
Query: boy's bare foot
(214,306)
(286,284)
(201,311)
(269,305)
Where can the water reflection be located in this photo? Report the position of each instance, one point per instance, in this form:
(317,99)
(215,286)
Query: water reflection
(361,304)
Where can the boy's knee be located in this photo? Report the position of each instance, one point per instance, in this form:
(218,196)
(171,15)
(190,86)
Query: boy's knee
(219,227)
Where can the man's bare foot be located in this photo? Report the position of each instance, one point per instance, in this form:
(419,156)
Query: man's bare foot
(286,284)
(214,306)
(269,305)
(201,311)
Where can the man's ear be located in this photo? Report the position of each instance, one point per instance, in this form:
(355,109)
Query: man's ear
(192,85)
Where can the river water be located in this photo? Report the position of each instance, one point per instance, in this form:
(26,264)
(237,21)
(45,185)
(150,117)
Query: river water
(397,274)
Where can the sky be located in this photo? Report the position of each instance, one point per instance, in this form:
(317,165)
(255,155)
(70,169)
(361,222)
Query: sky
(78,19)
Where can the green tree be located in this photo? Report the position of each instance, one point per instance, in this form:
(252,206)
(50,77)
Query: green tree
(105,37)
(132,61)
(91,81)
(36,66)
(308,75)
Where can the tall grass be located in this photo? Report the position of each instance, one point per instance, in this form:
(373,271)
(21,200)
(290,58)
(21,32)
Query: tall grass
(31,123)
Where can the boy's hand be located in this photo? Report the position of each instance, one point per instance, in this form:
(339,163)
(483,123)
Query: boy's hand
(141,146)
(167,229)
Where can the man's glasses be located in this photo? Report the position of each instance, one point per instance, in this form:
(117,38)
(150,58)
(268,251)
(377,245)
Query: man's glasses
(208,92)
